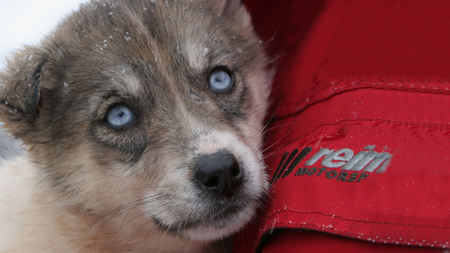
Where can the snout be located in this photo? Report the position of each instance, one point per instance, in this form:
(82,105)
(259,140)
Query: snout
(218,174)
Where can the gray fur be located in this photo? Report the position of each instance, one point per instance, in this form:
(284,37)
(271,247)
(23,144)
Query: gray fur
(155,57)
(9,147)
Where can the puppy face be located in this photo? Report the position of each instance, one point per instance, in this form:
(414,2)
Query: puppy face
(150,107)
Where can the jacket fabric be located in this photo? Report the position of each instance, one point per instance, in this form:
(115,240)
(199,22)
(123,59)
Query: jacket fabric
(358,145)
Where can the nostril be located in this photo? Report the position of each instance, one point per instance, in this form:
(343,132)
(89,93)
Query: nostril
(212,183)
(236,170)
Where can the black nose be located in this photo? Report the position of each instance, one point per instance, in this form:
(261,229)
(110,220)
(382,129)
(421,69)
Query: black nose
(218,174)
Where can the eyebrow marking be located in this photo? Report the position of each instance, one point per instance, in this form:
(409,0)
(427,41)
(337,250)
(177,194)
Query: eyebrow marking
(126,80)
(196,54)
(132,84)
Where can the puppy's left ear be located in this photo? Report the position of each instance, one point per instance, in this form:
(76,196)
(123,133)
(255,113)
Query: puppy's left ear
(233,9)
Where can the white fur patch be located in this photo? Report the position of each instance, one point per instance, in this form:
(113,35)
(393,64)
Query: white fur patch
(209,233)
(185,195)
(27,227)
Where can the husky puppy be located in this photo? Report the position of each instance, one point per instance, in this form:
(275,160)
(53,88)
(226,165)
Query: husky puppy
(142,122)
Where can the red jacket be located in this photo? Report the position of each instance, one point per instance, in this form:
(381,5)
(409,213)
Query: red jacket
(359,140)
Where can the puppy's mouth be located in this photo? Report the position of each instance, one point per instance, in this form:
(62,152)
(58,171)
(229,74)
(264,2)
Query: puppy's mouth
(216,219)
(221,196)
(211,221)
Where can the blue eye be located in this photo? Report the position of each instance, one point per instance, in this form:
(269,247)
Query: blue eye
(119,116)
(220,81)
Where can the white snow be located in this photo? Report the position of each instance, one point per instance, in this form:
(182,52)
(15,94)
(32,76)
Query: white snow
(25,22)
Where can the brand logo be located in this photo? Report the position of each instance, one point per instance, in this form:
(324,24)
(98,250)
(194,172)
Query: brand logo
(341,165)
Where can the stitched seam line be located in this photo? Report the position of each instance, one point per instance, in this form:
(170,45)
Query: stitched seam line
(423,243)
(319,99)
(370,85)
(404,123)
(273,213)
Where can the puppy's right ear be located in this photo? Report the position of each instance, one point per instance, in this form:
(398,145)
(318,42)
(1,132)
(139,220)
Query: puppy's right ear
(20,83)
(20,90)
